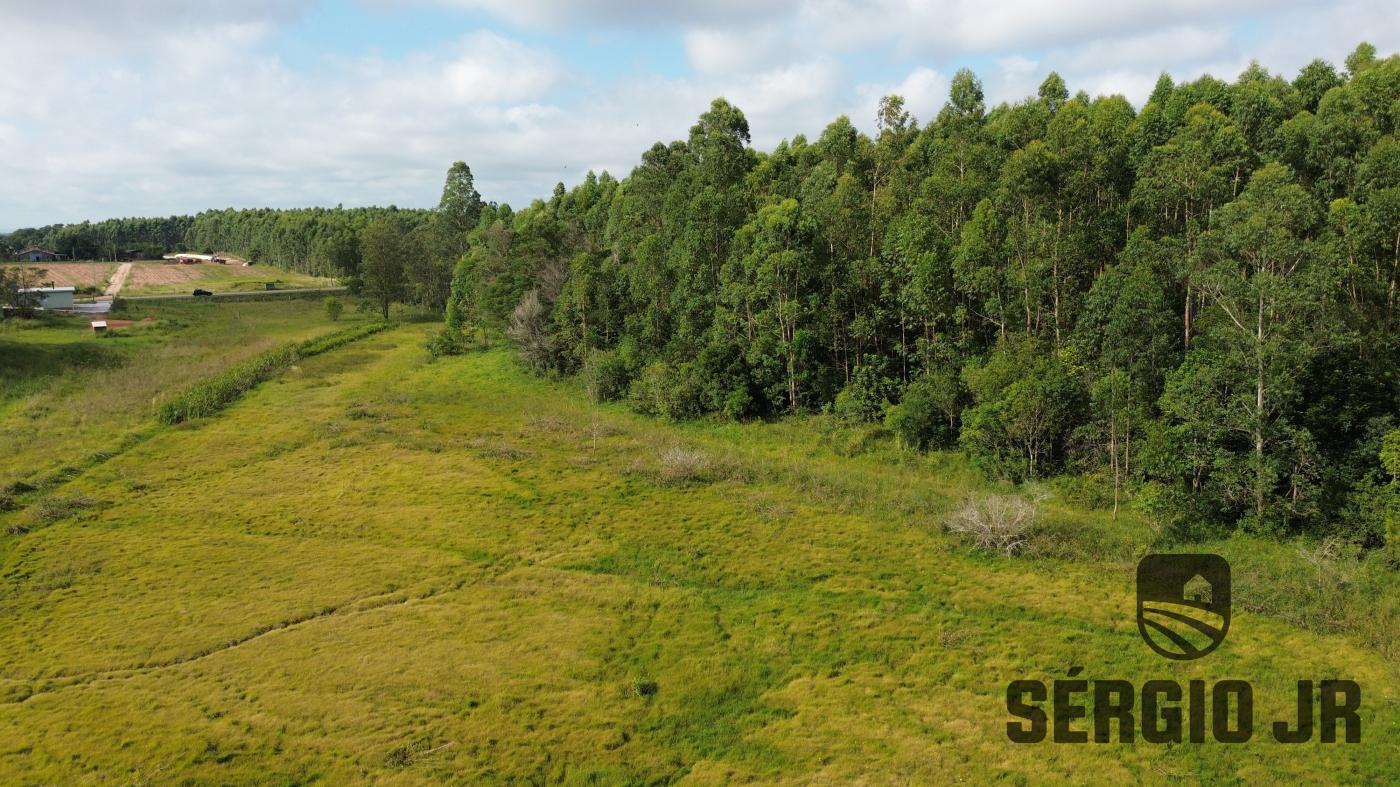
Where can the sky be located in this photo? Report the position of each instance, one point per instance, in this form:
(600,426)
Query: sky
(157,107)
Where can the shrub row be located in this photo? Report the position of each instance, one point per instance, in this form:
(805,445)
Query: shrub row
(223,389)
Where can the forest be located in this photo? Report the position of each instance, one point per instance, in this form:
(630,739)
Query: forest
(1191,305)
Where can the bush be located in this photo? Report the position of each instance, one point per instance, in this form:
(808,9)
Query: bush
(605,376)
(927,416)
(668,391)
(1029,402)
(865,397)
(1002,523)
(333,307)
(724,375)
(448,341)
(1390,460)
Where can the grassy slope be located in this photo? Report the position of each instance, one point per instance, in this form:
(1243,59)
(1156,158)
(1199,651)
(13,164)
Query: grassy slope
(380,567)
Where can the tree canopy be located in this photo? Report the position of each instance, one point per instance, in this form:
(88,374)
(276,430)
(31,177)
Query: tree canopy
(1197,298)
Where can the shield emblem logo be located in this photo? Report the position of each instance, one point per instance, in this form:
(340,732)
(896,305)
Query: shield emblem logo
(1183,604)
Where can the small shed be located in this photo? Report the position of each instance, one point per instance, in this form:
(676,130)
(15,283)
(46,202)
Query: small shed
(37,254)
(50,297)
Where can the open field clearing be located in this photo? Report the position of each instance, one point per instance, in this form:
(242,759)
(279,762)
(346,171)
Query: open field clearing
(82,275)
(376,567)
(66,394)
(161,278)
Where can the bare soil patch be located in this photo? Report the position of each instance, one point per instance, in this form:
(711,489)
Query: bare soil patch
(74,274)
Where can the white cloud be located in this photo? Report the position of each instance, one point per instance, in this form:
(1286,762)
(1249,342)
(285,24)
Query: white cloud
(113,140)
(1157,49)
(558,14)
(85,26)
(723,51)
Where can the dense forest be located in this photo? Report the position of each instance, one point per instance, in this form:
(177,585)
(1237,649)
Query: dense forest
(316,241)
(1193,303)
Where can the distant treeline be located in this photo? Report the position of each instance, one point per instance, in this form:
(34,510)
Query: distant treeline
(103,240)
(316,241)
(1195,302)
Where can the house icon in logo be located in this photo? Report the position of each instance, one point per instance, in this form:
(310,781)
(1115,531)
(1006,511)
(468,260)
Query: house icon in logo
(1183,604)
(1197,589)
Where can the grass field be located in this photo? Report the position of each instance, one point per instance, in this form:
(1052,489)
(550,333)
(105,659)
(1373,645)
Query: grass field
(66,394)
(378,567)
(160,278)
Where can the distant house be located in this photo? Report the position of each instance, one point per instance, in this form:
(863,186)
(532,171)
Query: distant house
(50,297)
(37,254)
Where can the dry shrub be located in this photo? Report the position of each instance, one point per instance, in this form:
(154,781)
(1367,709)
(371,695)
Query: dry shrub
(503,451)
(550,424)
(952,638)
(53,509)
(1001,523)
(679,464)
(768,508)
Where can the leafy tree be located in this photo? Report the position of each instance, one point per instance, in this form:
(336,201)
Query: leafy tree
(1241,387)
(1313,82)
(928,415)
(382,250)
(1027,401)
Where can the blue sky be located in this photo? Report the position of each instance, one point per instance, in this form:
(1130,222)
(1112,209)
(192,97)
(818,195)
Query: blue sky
(173,106)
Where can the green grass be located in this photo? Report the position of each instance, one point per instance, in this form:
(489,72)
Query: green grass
(379,567)
(212,395)
(68,395)
(215,278)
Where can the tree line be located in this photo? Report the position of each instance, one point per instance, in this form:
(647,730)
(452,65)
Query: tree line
(1194,302)
(388,254)
(315,241)
(110,239)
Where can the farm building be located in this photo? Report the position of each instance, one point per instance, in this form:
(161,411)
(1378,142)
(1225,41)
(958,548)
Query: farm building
(50,297)
(187,258)
(37,254)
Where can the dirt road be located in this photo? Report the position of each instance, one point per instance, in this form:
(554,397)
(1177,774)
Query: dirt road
(118,279)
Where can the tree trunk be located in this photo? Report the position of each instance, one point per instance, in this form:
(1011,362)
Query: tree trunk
(1259,409)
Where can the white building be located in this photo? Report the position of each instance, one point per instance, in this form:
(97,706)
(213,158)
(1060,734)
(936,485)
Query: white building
(51,297)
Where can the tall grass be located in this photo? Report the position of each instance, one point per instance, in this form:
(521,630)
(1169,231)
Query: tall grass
(225,388)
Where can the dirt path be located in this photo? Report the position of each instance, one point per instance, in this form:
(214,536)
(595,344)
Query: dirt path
(118,279)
